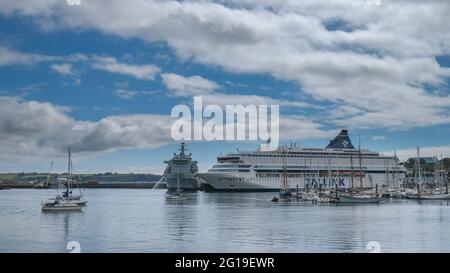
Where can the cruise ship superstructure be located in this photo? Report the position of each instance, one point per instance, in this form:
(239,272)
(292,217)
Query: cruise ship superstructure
(340,163)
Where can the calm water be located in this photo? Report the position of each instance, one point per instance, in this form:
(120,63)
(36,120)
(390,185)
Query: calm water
(123,220)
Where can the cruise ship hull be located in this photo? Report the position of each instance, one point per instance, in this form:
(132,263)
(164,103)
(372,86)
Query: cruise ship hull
(215,182)
(229,182)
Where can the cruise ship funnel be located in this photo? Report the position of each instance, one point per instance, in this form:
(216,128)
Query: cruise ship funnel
(341,141)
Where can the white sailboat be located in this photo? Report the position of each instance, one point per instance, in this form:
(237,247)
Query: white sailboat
(444,196)
(420,194)
(439,193)
(361,197)
(65,201)
(285,194)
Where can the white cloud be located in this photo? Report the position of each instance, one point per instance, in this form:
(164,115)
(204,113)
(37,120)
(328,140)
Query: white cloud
(181,86)
(380,63)
(188,86)
(13,57)
(378,138)
(301,128)
(64,69)
(430,151)
(233,99)
(125,94)
(110,64)
(33,130)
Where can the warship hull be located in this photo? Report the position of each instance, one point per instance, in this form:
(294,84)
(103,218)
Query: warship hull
(187,182)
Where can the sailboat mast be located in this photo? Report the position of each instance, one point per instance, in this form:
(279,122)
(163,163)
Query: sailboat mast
(360,164)
(386,161)
(48,175)
(419,172)
(284,180)
(68,163)
(69,178)
(396,170)
(436,171)
(352,174)
(442,172)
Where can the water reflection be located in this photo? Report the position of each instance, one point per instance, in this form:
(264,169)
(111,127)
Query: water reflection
(181,216)
(144,221)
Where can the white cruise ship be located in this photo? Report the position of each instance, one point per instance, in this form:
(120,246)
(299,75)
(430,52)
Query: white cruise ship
(339,163)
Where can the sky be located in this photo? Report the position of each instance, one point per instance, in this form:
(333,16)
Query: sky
(102,77)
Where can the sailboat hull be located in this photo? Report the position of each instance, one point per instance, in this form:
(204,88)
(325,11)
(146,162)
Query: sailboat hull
(433,197)
(359,199)
(61,206)
(78,208)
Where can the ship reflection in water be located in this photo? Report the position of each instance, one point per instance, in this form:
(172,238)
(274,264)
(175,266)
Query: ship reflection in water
(144,221)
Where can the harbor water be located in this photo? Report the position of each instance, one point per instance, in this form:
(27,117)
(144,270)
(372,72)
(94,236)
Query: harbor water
(142,220)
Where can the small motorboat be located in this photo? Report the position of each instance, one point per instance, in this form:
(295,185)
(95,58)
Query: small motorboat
(359,199)
(175,196)
(310,196)
(388,193)
(284,195)
(324,200)
(399,194)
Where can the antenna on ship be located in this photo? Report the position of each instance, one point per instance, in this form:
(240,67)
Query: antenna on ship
(182,147)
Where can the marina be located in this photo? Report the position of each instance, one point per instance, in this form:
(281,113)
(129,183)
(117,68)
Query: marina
(180,214)
(142,220)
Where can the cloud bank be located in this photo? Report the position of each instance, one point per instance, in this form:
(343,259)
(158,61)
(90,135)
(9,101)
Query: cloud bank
(374,59)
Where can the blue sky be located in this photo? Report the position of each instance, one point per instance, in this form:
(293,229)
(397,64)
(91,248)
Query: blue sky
(78,74)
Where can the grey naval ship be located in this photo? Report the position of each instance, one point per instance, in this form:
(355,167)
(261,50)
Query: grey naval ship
(181,172)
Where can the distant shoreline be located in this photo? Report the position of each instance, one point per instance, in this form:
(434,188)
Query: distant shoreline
(103,185)
(87,181)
